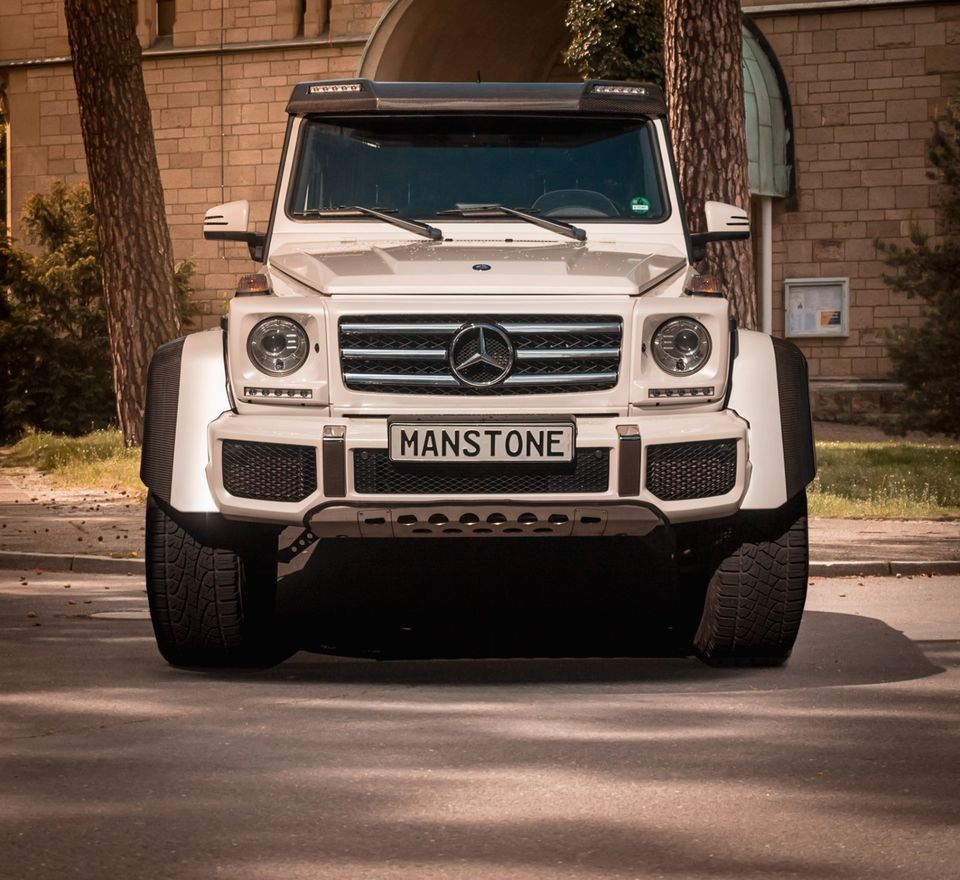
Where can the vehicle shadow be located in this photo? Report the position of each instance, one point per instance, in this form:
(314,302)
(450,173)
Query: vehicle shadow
(527,612)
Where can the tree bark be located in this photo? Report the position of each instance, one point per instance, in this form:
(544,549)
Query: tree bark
(136,255)
(703,54)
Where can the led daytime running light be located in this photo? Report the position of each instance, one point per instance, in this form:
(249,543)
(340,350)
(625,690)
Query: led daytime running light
(286,393)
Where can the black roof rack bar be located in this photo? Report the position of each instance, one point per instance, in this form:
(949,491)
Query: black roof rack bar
(367,96)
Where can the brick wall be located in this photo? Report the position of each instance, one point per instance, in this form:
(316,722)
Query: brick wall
(32,29)
(206,156)
(864,84)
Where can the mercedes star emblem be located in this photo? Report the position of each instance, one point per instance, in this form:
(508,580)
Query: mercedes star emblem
(481,355)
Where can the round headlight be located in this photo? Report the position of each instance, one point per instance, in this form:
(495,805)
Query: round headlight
(278,346)
(681,346)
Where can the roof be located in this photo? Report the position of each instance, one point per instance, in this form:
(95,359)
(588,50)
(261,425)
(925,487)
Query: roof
(365,96)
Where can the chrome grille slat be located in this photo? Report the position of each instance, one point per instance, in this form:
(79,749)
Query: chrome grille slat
(575,379)
(399,328)
(430,354)
(560,328)
(569,355)
(411,354)
(395,379)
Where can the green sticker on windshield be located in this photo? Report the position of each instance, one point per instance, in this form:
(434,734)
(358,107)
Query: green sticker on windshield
(639,205)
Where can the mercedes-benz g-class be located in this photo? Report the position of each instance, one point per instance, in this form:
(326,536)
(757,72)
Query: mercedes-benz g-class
(477,318)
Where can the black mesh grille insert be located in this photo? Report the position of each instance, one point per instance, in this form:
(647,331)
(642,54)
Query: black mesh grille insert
(680,471)
(374,473)
(269,471)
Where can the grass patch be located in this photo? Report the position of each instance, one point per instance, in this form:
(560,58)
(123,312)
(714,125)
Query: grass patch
(97,460)
(886,481)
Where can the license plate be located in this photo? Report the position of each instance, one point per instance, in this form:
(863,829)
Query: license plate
(482,442)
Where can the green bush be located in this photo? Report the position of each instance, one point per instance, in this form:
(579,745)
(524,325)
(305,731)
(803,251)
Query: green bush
(55,367)
(925,358)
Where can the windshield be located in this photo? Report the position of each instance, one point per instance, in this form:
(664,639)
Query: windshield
(577,167)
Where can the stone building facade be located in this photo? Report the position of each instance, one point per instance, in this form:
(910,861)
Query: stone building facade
(864,84)
(861,82)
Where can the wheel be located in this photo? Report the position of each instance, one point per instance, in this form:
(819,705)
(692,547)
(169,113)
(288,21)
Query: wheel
(211,591)
(757,588)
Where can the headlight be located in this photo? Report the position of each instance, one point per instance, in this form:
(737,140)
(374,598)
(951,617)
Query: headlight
(681,346)
(278,346)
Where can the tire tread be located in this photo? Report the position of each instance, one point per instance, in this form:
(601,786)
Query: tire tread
(196,595)
(757,591)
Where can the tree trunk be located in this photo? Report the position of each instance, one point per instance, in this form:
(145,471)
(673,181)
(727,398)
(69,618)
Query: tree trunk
(703,54)
(136,255)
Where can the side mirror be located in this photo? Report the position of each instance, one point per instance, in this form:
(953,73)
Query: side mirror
(229,222)
(724,223)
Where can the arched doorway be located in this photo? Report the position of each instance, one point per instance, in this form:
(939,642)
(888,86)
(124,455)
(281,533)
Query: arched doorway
(457,40)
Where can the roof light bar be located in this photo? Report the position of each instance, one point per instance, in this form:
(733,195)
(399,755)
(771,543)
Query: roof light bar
(338,87)
(620,90)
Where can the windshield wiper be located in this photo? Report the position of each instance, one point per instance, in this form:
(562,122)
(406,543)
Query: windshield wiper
(567,229)
(424,229)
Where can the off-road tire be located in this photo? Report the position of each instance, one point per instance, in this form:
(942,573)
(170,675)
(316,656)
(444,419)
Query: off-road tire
(210,605)
(757,588)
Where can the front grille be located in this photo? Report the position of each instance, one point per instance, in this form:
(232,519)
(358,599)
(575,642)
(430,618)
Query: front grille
(374,473)
(680,471)
(269,471)
(409,354)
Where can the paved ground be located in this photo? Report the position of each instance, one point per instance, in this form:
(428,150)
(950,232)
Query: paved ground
(36,518)
(844,764)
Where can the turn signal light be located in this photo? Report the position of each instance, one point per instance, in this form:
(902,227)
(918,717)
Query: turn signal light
(704,285)
(255,284)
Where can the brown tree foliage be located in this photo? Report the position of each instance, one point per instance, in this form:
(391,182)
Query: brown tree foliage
(703,54)
(136,255)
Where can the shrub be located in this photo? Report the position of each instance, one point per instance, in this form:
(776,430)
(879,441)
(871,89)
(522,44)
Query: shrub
(925,358)
(55,368)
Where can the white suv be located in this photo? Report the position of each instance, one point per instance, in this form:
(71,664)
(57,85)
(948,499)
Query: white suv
(476,319)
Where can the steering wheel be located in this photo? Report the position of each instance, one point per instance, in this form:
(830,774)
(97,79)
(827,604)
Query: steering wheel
(575,203)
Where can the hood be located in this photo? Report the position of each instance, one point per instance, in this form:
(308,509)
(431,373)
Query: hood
(441,268)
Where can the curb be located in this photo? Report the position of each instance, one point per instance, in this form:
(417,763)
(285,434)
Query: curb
(66,562)
(835,568)
(878,568)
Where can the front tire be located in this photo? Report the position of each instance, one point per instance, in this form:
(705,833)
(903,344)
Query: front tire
(212,596)
(757,588)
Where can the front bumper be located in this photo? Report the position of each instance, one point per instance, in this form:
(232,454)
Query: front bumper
(627,500)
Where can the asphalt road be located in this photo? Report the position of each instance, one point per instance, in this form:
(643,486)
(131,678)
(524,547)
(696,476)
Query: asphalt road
(843,764)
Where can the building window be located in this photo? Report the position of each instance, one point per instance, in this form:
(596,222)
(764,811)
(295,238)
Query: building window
(312,17)
(166,16)
(301,16)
